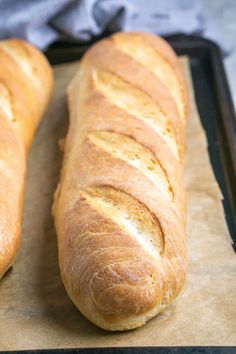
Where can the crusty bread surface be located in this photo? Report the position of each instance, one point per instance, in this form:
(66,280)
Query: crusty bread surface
(25,88)
(120,205)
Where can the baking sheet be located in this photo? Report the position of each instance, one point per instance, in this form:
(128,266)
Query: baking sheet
(35,312)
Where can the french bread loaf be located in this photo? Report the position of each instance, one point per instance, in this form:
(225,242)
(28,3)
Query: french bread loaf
(25,87)
(120,205)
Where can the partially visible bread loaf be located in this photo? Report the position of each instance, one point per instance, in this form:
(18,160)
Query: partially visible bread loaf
(25,87)
(120,205)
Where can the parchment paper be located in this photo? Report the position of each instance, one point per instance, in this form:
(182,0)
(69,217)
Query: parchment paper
(35,311)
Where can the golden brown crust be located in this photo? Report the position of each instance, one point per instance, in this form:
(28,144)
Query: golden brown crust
(120,207)
(12,170)
(165,52)
(27,77)
(25,88)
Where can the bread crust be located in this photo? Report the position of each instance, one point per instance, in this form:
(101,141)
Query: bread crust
(120,205)
(25,88)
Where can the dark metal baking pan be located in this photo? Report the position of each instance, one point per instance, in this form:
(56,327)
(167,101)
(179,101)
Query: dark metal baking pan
(217,115)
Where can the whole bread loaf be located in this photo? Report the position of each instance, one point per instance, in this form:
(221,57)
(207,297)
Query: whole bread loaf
(25,87)
(120,205)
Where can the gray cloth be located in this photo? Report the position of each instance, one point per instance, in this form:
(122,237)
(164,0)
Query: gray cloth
(43,22)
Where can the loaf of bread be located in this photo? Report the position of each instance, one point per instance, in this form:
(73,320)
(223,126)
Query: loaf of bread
(120,205)
(25,87)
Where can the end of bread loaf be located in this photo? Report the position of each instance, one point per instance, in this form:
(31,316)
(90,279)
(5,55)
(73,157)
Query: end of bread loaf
(115,272)
(154,53)
(26,81)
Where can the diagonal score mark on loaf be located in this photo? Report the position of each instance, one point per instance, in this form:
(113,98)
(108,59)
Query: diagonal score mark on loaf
(17,53)
(137,155)
(14,99)
(19,61)
(6,102)
(130,214)
(154,61)
(137,103)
